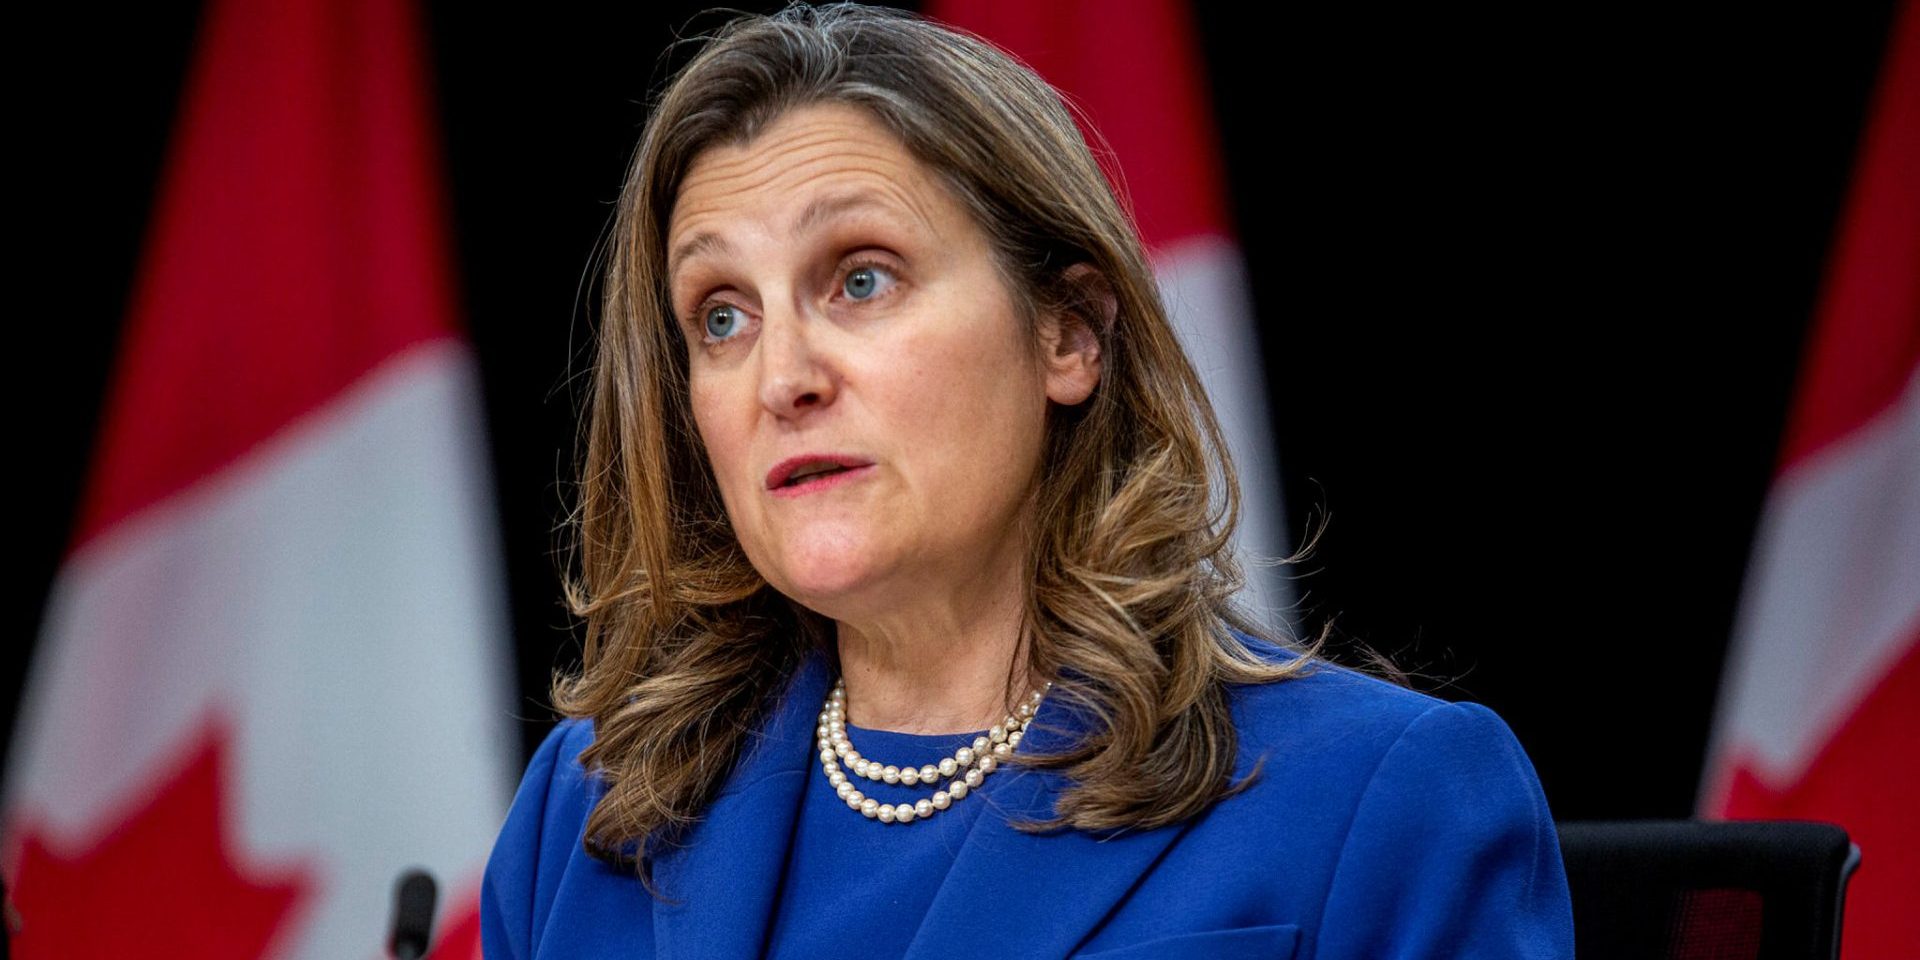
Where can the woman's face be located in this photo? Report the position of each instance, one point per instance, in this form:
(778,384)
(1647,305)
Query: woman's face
(839,303)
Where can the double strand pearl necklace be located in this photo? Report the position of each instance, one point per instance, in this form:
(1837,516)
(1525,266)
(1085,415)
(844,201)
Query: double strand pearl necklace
(967,767)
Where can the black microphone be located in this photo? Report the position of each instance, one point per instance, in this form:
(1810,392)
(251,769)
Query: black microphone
(413,898)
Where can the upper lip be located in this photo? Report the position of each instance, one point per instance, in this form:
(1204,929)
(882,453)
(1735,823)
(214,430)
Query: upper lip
(788,467)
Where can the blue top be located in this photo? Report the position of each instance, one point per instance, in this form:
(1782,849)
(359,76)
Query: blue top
(859,887)
(1385,823)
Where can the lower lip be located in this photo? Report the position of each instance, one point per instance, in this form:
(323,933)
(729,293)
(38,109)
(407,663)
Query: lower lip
(823,482)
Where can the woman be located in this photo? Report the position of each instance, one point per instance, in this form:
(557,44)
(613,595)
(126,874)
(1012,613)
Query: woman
(893,454)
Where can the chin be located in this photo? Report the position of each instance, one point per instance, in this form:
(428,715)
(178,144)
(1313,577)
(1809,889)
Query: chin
(833,593)
(831,577)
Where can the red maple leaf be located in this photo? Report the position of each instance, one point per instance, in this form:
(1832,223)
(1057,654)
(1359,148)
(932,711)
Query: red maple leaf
(1863,778)
(160,879)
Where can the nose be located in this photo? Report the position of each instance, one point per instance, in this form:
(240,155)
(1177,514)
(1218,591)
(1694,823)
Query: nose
(795,376)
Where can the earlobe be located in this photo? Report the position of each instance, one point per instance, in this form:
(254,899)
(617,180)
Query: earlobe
(1072,346)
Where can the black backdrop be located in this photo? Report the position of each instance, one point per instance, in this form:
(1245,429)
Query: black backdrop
(1532,286)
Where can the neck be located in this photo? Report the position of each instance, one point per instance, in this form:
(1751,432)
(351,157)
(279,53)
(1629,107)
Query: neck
(934,654)
(944,674)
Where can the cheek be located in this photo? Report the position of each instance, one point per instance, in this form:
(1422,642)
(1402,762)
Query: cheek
(961,386)
(722,441)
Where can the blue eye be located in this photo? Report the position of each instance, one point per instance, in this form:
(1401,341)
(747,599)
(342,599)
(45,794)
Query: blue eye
(863,281)
(707,321)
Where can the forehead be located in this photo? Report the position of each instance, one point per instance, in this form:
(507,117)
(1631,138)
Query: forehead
(809,163)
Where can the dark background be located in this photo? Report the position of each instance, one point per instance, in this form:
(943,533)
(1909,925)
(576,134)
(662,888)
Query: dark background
(1532,287)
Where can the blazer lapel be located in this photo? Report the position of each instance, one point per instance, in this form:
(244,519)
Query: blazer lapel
(727,874)
(1045,893)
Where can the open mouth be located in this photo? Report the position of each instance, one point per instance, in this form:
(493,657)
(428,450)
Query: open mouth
(821,476)
(811,469)
(813,472)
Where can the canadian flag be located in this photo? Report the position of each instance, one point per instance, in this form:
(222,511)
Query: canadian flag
(272,674)
(1819,717)
(1133,70)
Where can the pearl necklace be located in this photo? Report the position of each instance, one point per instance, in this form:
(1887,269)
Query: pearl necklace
(977,761)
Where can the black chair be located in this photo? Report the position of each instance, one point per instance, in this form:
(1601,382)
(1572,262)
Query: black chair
(1685,889)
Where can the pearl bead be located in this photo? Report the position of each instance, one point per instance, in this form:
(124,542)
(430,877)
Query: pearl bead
(972,763)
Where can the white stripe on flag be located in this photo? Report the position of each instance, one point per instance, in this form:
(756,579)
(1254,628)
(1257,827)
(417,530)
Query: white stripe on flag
(1203,281)
(338,594)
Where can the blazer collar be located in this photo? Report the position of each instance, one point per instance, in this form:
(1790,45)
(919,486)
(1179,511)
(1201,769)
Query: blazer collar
(1049,891)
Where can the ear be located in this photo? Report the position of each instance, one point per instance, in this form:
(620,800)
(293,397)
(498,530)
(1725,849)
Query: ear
(1069,345)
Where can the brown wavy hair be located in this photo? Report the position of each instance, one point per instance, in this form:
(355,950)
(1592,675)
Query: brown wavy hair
(1133,578)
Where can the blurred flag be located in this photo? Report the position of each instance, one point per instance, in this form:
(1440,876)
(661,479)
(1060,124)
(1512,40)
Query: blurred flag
(1134,69)
(272,674)
(1820,710)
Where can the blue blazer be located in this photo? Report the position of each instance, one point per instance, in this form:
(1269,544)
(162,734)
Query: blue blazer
(1385,824)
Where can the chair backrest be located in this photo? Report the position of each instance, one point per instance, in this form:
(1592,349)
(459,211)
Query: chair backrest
(1695,889)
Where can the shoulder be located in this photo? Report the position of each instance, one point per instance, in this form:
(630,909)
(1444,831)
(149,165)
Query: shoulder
(541,836)
(1333,718)
(1326,702)
(554,795)
(1387,758)
(1408,802)
(555,792)
(554,773)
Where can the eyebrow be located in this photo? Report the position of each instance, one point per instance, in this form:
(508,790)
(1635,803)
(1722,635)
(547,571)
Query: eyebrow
(816,213)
